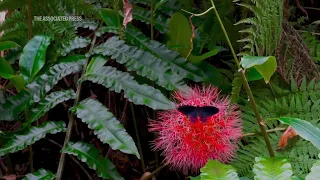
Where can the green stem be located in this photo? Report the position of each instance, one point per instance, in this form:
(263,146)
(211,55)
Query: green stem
(29,20)
(116,8)
(268,131)
(151,19)
(138,138)
(247,87)
(155,172)
(72,116)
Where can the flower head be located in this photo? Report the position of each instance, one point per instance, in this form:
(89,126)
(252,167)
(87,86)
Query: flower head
(189,145)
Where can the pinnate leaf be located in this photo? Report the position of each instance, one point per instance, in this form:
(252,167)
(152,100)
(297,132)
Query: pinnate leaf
(89,154)
(105,125)
(41,174)
(20,141)
(215,170)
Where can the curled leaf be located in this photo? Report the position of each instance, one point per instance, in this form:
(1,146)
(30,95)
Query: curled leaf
(286,138)
(127,10)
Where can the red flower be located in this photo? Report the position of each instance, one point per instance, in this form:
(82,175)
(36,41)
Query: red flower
(188,145)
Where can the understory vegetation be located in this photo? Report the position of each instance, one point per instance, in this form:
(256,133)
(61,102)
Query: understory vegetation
(78,97)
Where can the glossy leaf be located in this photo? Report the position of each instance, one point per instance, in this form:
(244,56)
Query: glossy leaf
(13,105)
(49,102)
(253,75)
(198,59)
(315,171)
(44,83)
(215,170)
(41,174)
(95,63)
(6,70)
(109,16)
(33,57)
(179,34)
(144,63)
(305,129)
(175,62)
(107,128)
(20,141)
(276,168)
(8,45)
(90,155)
(266,66)
(138,94)
(76,43)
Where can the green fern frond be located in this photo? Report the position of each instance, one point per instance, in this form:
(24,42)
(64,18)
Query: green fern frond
(41,174)
(90,155)
(20,141)
(144,63)
(136,93)
(107,128)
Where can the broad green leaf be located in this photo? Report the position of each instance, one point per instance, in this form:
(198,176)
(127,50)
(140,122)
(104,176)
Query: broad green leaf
(215,170)
(95,63)
(44,83)
(144,63)
(315,171)
(6,70)
(76,43)
(20,141)
(195,178)
(179,34)
(8,45)
(33,57)
(18,82)
(305,129)
(41,174)
(159,4)
(90,155)
(109,16)
(138,94)
(105,125)
(266,66)
(253,75)
(49,102)
(13,105)
(72,58)
(276,168)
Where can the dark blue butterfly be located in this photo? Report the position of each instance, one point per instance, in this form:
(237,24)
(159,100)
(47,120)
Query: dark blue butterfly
(193,112)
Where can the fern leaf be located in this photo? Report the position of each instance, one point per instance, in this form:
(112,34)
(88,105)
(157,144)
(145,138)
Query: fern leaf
(76,43)
(138,94)
(49,102)
(41,174)
(175,62)
(144,63)
(236,87)
(21,141)
(314,174)
(89,154)
(43,84)
(12,106)
(105,126)
(215,170)
(275,168)
(90,24)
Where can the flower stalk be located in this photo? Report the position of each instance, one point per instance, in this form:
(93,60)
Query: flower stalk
(247,87)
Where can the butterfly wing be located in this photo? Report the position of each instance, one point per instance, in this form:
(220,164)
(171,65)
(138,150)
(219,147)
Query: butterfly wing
(207,111)
(190,111)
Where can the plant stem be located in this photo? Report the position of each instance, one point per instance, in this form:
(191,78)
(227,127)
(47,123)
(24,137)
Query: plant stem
(268,131)
(29,20)
(151,19)
(155,172)
(247,87)
(72,116)
(116,8)
(138,138)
